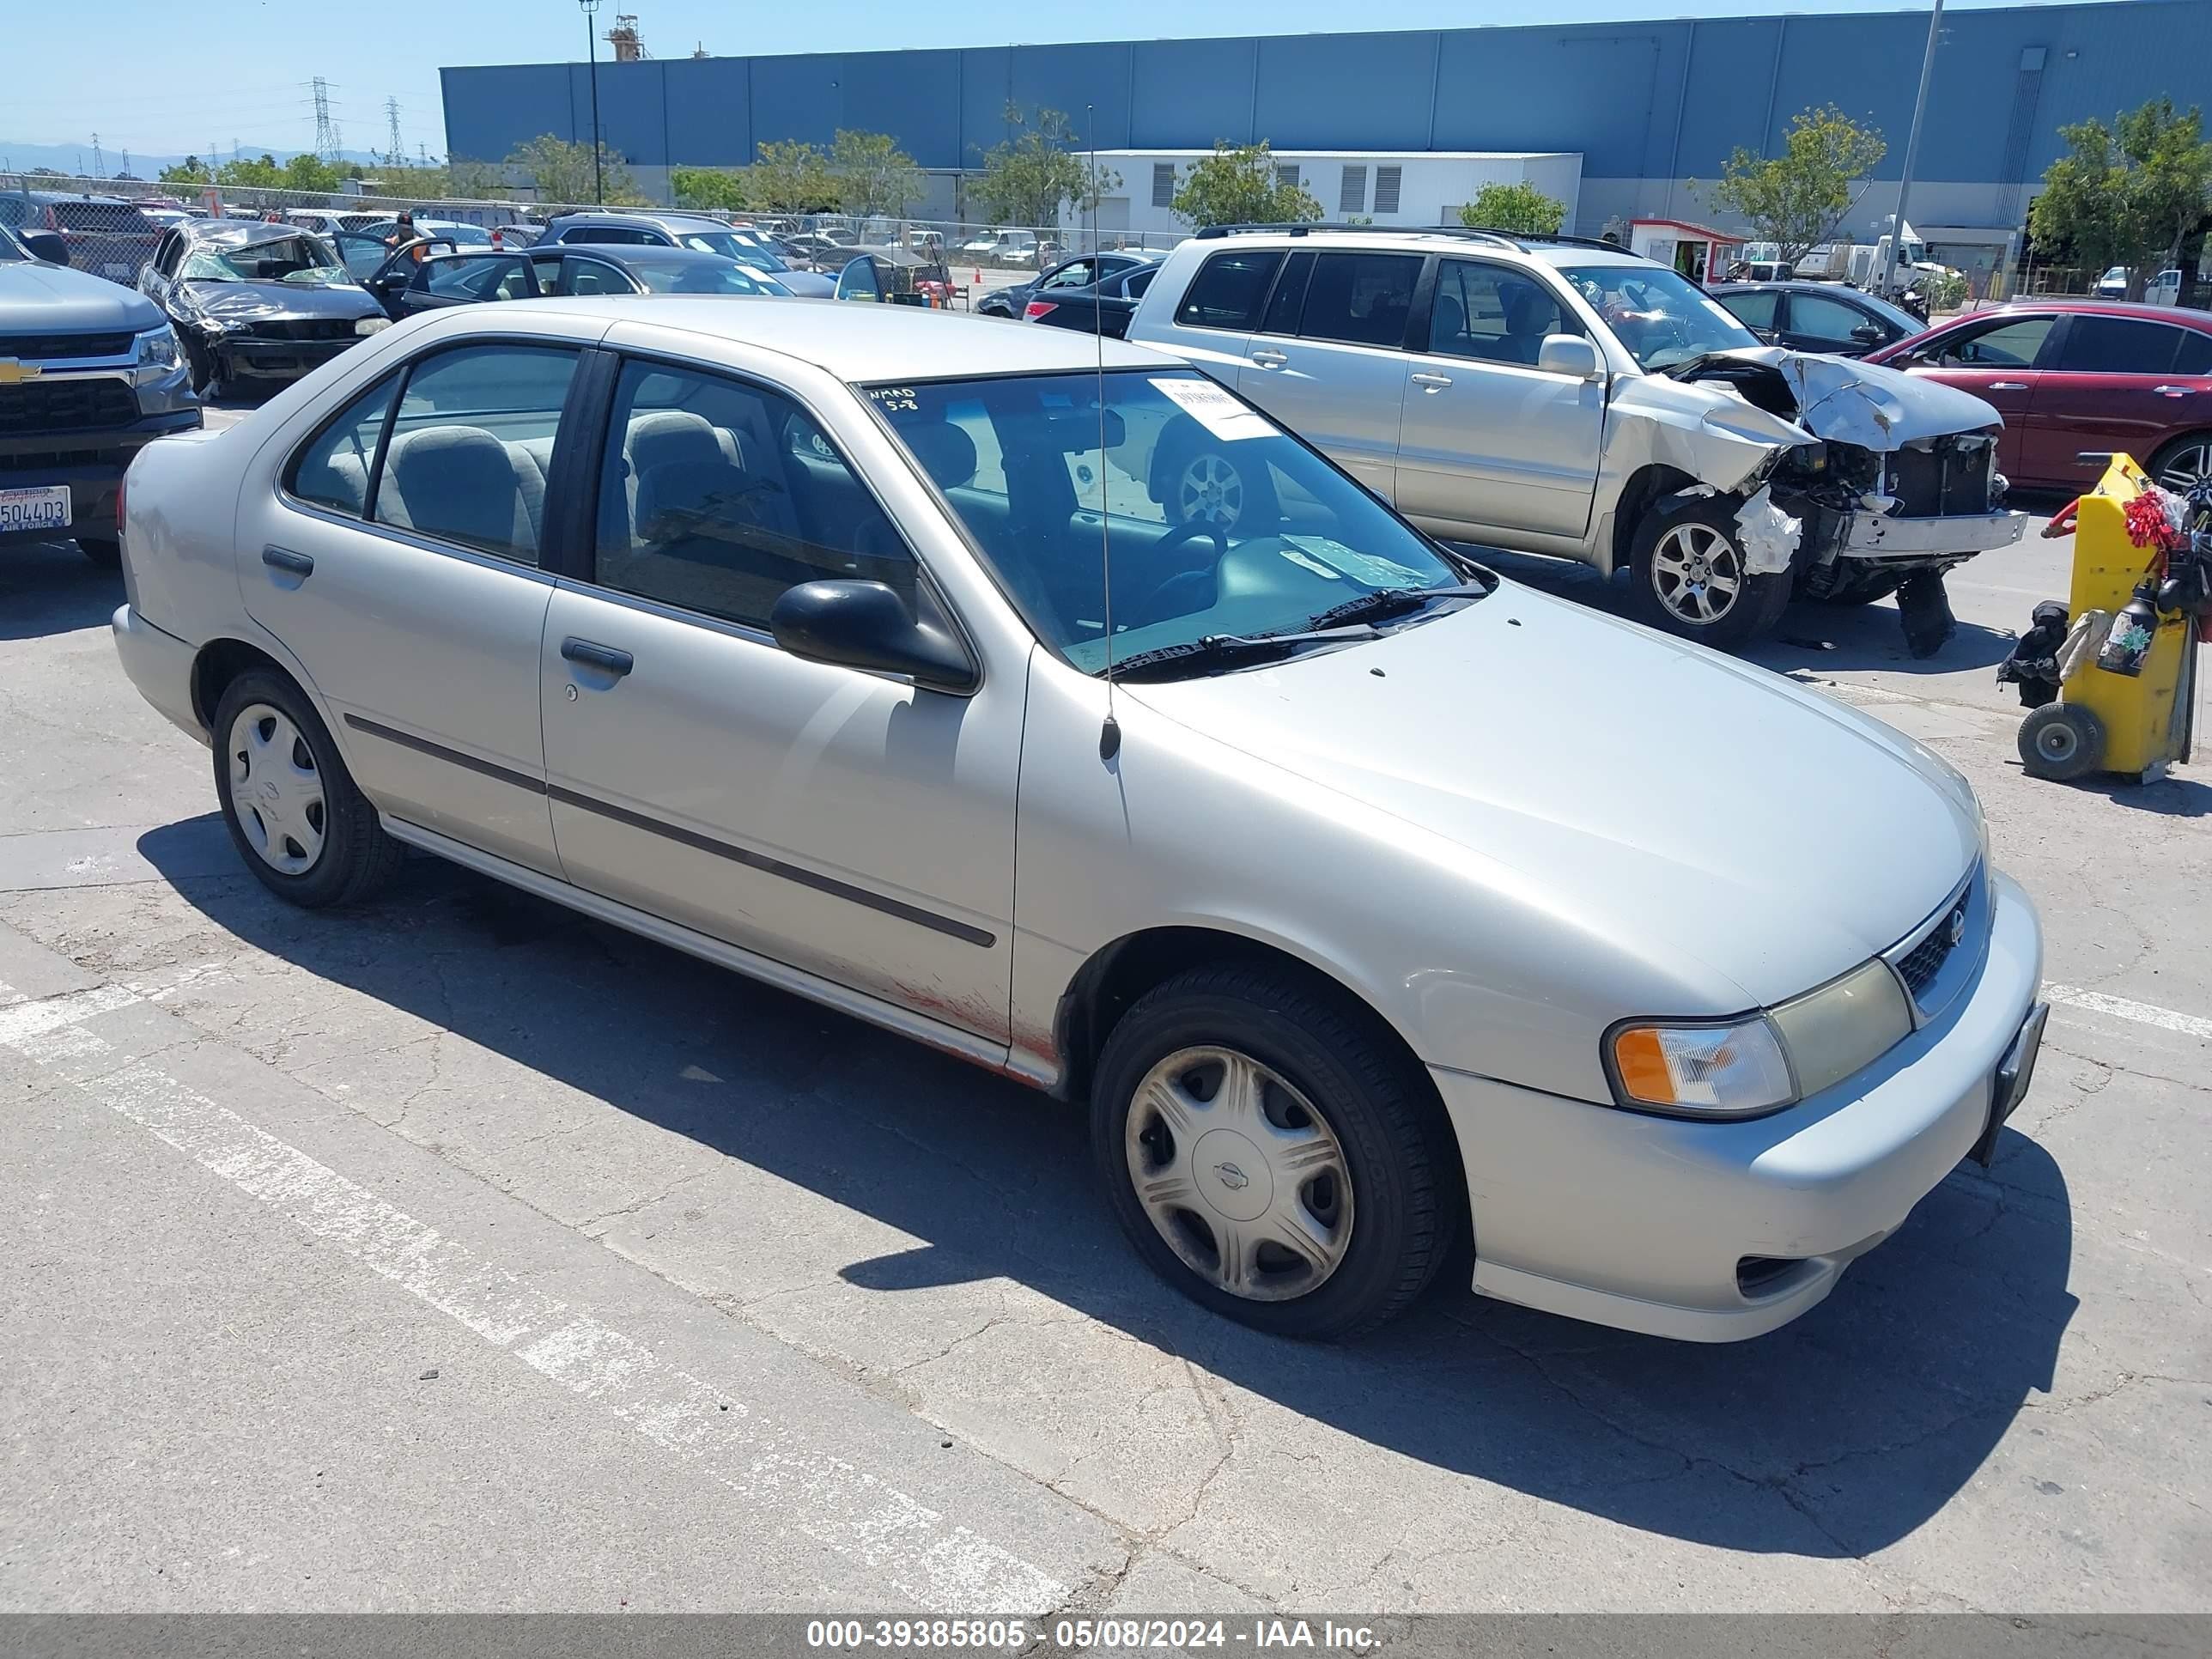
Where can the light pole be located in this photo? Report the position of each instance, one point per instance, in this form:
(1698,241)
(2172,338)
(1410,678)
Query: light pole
(1889,281)
(590,8)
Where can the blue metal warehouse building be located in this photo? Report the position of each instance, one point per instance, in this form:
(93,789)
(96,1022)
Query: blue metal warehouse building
(1650,107)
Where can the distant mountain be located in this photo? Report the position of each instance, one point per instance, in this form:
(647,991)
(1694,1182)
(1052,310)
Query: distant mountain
(67,158)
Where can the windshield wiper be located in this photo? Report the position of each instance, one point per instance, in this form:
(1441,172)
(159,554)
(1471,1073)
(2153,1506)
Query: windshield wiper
(1221,649)
(1394,601)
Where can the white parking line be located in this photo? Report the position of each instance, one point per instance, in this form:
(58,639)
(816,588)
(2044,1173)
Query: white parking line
(2144,1014)
(913,1548)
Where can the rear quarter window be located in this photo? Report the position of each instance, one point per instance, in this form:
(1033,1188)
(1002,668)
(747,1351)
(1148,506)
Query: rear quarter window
(1228,289)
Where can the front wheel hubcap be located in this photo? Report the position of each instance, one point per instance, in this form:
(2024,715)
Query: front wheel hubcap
(2187,468)
(1240,1174)
(275,790)
(1697,573)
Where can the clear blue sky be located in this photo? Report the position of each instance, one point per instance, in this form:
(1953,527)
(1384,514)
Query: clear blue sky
(176,75)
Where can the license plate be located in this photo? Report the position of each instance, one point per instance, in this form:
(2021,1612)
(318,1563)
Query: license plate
(2009,1087)
(116,272)
(46,507)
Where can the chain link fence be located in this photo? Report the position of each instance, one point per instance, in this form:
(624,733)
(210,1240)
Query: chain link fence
(111,227)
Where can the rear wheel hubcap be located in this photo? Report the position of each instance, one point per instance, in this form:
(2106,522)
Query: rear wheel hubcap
(276,789)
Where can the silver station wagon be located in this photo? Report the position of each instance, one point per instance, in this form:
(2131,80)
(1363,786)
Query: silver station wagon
(849,647)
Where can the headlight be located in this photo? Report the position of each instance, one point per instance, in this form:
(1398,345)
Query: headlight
(372,325)
(158,353)
(1740,1069)
(1716,1071)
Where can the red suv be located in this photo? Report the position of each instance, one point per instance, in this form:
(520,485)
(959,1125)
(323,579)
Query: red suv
(2071,376)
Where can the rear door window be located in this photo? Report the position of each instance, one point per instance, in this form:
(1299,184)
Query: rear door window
(1228,289)
(2118,345)
(1754,310)
(1360,299)
(2196,356)
(593,276)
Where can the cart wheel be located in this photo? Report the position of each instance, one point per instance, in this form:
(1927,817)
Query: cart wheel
(2062,741)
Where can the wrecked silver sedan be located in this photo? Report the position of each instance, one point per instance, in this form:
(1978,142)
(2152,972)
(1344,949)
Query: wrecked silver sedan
(1557,396)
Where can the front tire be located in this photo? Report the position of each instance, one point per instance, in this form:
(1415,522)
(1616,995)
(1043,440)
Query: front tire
(293,810)
(1269,1157)
(1690,576)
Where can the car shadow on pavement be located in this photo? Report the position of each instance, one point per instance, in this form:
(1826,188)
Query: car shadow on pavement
(1824,637)
(49,587)
(1833,1438)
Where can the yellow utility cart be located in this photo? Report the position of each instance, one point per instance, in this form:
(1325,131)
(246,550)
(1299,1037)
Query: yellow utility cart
(2134,725)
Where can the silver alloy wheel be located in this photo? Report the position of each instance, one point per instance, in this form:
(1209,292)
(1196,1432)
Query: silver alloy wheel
(1210,490)
(2189,465)
(1697,572)
(276,793)
(1243,1178)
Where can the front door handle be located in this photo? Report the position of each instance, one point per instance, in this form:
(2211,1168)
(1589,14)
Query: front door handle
(1429,381)
(1269,358)
(2173,390)
(594,655)
(284,559)
(2008,385)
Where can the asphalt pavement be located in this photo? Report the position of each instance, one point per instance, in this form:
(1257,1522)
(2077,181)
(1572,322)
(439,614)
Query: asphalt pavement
(457,1253)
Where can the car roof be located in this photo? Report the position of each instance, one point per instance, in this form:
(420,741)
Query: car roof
(864,343)
(1560,251)
(623,253)
(1779,285)
(2199,320)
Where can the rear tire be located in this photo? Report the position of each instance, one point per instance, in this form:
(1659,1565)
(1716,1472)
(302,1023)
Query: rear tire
(103,552)
(2062,741)
(294,811)
(2182,462)
(1687,562)
(1340,1153)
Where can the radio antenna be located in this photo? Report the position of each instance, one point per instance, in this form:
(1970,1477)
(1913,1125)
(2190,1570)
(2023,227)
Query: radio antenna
(1109,734)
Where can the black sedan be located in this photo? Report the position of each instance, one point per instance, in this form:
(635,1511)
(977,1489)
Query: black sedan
(562,270)
(1079,273)
(1825,317)
(256,302)
(1102,307)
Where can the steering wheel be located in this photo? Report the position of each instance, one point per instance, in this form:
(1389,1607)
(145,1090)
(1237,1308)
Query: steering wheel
(1157,604)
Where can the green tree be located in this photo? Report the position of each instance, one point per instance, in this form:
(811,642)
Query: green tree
(874,175)
(563,174)
(1238,185)
(1797,199)
(1027,177)
(2134,193)
(190,171)
(708,187)
(792,178)
(305,172)
(1520,207)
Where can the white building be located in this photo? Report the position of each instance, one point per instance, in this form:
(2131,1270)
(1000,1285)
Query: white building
(1390,187)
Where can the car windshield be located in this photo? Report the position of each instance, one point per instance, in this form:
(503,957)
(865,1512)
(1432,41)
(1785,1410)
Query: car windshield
(299,260)
(745,253)
(1215,521)
(691,276)
(1661,317)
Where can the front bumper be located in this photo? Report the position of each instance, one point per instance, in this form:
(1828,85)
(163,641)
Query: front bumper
(91,463)
(1873,536)
(1641,1222)
(243,358)
(160,665)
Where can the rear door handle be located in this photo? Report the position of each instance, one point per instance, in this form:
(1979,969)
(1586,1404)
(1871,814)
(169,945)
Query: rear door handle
(1422,377)
(284,559)
(1267,359)
(2173,390)
(2008,385)
(605,657)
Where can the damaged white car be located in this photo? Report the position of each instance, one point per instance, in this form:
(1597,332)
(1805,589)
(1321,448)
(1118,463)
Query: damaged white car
(1564,397)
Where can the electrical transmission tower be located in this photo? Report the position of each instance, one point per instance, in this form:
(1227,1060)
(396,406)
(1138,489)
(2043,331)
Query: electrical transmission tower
(327,137)
(98,161)
(397,152)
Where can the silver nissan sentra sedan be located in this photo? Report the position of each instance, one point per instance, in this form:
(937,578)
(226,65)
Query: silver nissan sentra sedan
(1364,895)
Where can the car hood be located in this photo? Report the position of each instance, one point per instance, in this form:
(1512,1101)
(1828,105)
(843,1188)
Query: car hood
(1673,803)
(1847,400)
(250,302)
(42,299)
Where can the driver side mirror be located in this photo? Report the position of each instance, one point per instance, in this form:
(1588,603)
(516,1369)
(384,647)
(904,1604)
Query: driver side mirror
(44,245)
(862,624)
(1570,355)
(1868,334)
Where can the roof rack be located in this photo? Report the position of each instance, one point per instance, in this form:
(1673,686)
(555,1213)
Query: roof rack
(1513,239)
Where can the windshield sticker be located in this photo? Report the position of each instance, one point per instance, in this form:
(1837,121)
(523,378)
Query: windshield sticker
(1214,408)
(896,399)
(1360,566)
